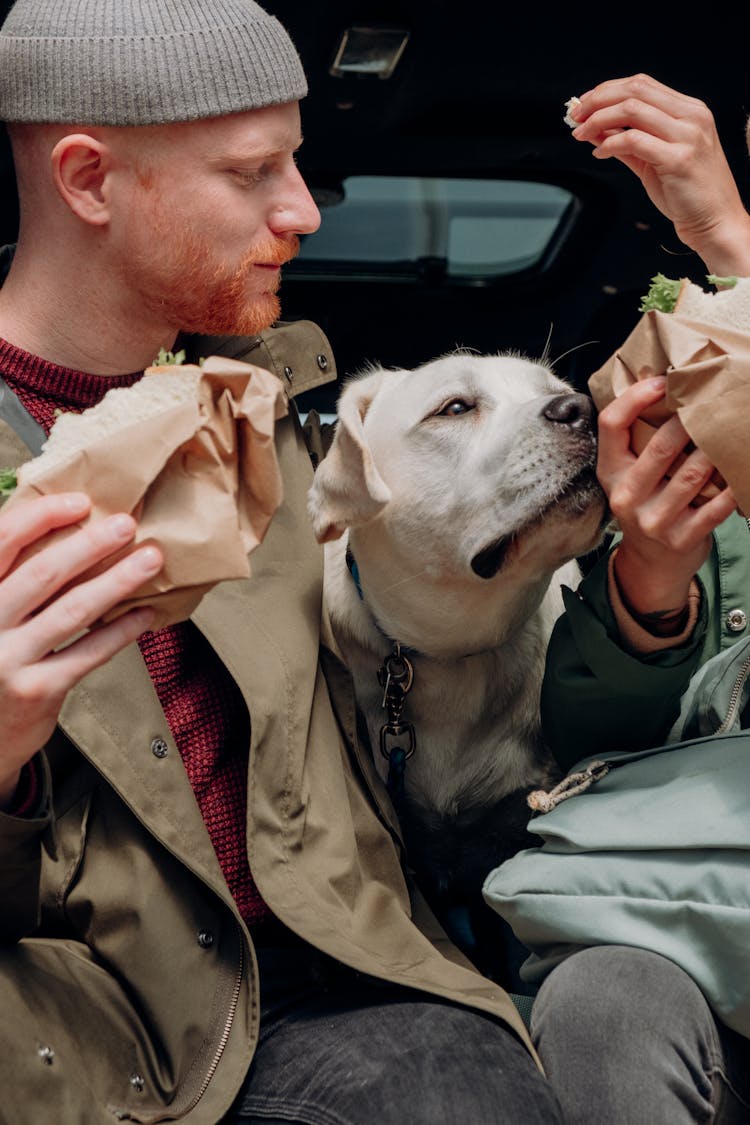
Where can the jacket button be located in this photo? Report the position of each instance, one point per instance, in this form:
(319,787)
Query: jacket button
(137,1082)
(47,1055)
(736,620)
(159,748)
(205,939)
(289,373)
(322,361)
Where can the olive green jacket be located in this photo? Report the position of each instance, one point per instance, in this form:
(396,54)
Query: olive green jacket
(597,697)
(128,982)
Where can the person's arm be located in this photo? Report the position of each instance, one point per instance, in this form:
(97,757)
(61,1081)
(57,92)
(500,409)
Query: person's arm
(625,649)
(47,643)
(50,640)
(669,140)
(599,696)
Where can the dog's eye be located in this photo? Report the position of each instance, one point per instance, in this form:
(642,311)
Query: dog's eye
(455,407)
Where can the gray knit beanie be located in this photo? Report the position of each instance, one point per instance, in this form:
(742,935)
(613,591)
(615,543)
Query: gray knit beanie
(143,62)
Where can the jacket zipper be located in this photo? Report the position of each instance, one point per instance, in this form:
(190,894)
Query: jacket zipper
(234,999)
(127,1115)
(734,697)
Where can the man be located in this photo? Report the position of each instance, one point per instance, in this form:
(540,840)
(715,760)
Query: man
(203,912)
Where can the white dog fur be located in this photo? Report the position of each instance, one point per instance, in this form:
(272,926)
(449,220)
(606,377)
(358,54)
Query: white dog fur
(463,490)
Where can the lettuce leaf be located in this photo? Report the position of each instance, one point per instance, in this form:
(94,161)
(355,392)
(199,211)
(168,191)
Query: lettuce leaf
(721,282)
(165,358)
(662,294)
(7,483)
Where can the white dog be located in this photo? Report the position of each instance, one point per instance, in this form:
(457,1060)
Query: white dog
(453,501)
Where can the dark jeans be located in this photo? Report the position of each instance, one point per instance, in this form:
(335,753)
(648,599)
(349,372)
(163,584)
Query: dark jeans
(627,1038)
(337,1048)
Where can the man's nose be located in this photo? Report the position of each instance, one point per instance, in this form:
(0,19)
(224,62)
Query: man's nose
(297,213)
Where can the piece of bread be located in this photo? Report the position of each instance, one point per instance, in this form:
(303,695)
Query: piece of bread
(729,307)
(571,103)
(120,408)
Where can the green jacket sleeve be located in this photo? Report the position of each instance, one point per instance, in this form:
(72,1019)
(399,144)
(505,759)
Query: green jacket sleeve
(598,697)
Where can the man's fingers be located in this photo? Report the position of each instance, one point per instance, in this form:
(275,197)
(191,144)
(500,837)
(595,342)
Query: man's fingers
(38,577)
(83,605)
(24,523)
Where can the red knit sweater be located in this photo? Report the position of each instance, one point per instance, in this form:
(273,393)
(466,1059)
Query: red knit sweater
(203,706)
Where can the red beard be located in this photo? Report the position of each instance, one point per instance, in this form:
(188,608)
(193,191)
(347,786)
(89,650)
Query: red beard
(196,294)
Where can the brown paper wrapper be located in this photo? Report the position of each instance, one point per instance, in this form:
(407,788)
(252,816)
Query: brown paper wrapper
(201,478)
(707,369)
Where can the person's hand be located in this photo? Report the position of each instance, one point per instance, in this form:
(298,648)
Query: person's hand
(669,140)
(665,536)
(46,643)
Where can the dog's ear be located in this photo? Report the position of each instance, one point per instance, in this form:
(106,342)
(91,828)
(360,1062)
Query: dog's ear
(348,489)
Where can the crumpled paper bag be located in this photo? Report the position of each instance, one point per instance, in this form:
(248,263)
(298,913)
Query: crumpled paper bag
(707,369)
(200,477)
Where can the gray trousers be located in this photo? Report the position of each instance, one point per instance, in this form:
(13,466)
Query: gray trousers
(339,1049)
(627,1038)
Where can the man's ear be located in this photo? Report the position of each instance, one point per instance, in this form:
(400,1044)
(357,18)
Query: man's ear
(80,167)
(347,489)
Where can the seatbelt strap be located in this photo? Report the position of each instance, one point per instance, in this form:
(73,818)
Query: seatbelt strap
(18,418)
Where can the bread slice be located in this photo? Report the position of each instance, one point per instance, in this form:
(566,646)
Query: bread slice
(728,307)
(156,393)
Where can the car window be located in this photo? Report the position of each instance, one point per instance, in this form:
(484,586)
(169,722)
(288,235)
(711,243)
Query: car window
(474,229)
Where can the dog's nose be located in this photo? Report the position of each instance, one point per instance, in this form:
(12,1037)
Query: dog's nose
(575,410)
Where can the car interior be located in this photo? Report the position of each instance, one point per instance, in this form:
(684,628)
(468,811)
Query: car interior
(457,210)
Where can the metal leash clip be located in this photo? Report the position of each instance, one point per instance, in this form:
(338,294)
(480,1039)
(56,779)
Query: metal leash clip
(397,739)
(396,677)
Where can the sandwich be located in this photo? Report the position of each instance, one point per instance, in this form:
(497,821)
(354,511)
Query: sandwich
(700,341)
(189,452)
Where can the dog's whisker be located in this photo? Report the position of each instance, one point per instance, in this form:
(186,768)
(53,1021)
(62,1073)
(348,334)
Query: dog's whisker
(570,351)
(403,581)
(545,350)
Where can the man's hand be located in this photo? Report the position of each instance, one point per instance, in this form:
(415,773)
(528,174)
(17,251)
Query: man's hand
(45,648)
(665,537)
(669,140)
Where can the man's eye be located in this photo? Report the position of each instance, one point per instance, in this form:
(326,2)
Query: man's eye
(248,176)
(455,407)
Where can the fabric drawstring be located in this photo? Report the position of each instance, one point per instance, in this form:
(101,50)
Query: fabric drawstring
(541,801)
